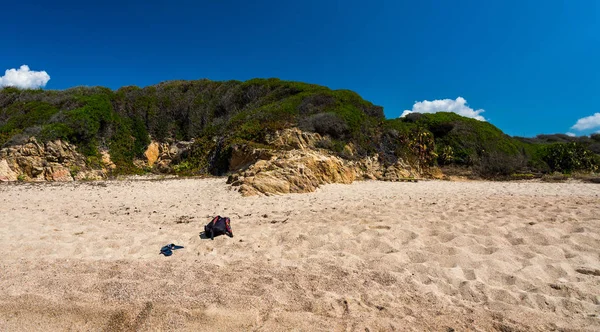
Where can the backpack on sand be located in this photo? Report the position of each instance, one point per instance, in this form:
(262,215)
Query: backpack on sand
(218,226)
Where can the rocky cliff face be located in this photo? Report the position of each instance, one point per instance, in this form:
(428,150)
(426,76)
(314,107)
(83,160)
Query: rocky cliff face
(52,161)
(291,162)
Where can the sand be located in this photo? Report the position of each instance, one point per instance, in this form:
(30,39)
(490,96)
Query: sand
(370,256)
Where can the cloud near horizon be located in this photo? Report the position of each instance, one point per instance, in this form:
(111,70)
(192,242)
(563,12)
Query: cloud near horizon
(589,122)
(458,106)
(24,78)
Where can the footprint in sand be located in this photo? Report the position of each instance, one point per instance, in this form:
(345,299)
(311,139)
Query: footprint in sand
(417,256)
(469,274)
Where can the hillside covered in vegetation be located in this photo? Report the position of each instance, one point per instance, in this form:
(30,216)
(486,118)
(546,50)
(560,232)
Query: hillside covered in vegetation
(216,116)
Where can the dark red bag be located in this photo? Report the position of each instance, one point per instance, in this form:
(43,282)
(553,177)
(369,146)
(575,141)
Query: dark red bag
(218,226)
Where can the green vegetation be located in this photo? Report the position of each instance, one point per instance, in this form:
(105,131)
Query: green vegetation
(218,115)
(491,153)
(215,114)
(85,117)
(570,157)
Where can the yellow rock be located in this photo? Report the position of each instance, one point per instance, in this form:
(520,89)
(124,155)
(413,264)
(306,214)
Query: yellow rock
(106,160)
(152,153)
(6,174)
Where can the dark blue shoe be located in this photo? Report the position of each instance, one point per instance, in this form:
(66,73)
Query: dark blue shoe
(168,249)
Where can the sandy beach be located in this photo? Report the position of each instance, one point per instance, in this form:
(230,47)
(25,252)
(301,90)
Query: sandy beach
(369,256)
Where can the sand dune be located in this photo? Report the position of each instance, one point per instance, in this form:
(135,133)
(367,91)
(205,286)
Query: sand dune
(368,256)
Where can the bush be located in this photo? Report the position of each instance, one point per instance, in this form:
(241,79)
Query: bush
(569,157)
(23,137)
(445,155)
(422,145)
(497,164)
(54,131)
(140,137)
(469,142)
(325,124)
(122,146)
(316,104)
(412,117)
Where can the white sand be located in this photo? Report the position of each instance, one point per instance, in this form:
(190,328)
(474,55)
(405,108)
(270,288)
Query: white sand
(368,256)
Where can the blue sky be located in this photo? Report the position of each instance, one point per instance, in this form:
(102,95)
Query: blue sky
(533,66)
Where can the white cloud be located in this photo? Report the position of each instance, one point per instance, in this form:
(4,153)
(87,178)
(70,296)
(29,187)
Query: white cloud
(458,106)
(589,122)
(570,134)
(24,78)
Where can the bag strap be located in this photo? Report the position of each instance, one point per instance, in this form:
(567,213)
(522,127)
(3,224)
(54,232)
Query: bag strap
(228,227)
(214,222)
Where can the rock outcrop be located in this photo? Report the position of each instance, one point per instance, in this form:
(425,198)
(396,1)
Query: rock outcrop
(294,164)
(290,162)
(51,161)
(294,138)
(162,156)
(293,171)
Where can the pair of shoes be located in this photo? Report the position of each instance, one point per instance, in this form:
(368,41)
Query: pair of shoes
(168,249)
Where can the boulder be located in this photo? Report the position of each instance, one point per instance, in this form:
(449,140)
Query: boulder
(295,171)
(6,173)
(152,153)
(243,155)
(32,166)
(58,173)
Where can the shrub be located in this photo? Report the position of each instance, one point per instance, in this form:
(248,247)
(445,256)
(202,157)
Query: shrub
(422,145)
(445,155)
(469,142)
(316,104)
(325,124)
(140,137)
(496,164)
(5,136)
(22,137)
(183,168)
(569,157)
(412,117)
(121,146)
(54,131)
